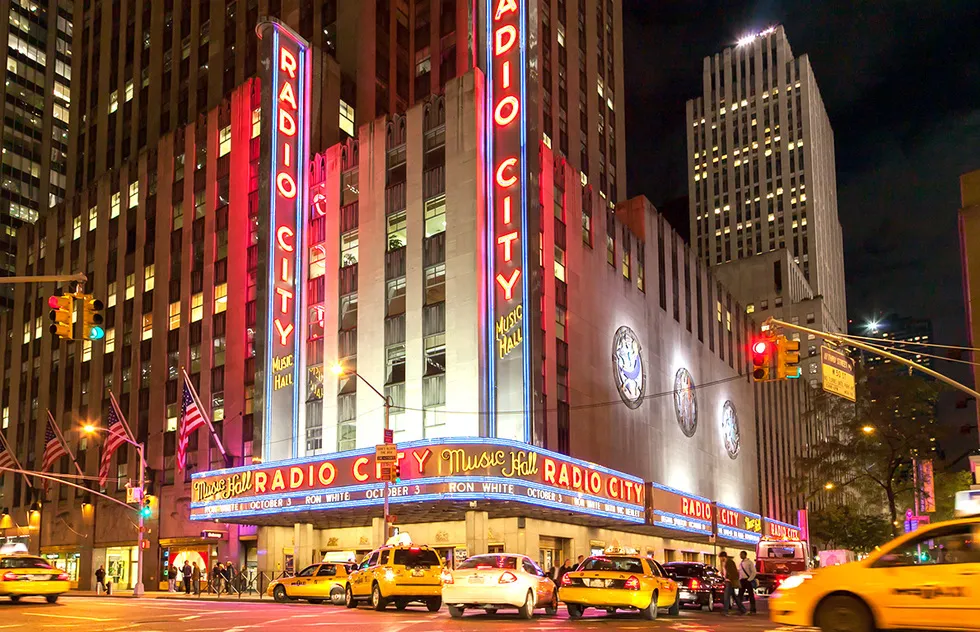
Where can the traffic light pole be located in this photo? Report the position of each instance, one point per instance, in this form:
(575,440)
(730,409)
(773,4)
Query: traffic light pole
(81,278)
(388,478)
(138,587)
(842,340)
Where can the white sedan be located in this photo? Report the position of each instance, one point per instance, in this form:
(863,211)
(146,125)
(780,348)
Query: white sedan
(499,580)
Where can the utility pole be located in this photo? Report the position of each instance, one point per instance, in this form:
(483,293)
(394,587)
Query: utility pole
(81,278)
(138,587)
(387,478)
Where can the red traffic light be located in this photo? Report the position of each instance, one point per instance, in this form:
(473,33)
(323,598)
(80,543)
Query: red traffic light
(760,347)
(54,302)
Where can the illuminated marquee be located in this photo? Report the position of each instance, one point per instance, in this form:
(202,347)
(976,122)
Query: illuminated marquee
(779,530)
(673,509)
(285,151)
(431,470)
(737,525)
(507,358)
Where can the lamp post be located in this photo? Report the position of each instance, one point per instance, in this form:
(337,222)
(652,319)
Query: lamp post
(339,371)
(140,449)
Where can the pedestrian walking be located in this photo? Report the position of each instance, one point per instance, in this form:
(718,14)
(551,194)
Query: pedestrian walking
(172,578)
(186,573)
(100,586)
(229,576)
(747,580)
(196,578)
(566,566)
(731,583)
(217,577)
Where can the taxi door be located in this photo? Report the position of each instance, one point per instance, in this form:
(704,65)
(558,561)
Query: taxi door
(932,578)
(667,594)
(361,581)
(302,582)
(323,581)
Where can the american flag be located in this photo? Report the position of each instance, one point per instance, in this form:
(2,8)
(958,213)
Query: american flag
(191,420)
(6,459)
(115,437)
(54,449)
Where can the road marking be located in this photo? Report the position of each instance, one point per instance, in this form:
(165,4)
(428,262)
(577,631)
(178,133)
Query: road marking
(190,617)
(67,616)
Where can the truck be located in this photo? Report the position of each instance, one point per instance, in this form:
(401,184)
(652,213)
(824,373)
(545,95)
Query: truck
(777,559)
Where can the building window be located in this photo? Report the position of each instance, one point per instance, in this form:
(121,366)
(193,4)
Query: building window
(86,351)
(435,216)
(93,218)
(224,141)
(174,315)
(396,230)
(560,321)
(113,101)
(318,261)
(134,194)
(130,286)
(111,295)
(114,206)
(218,353)
(148,326)
(348,312)
(220,298)
(148,273)
(750,308)
(641,283)
(110,340)
(435,284)
(177,215)
(195,355)
(76,228)
(396,297)
(346,118)
(764,305)
(779,301)
(197,307)
(395,365)
(257,122)
(6,417)
(811,318)
(348,248)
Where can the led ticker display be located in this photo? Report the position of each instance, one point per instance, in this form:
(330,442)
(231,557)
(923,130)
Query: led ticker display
(285,147)
(737,525)
(673,509)
(507,358)
(446,469)
(775,529)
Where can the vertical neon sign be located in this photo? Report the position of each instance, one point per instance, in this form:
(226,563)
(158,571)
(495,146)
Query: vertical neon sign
(507,356)
(285,158)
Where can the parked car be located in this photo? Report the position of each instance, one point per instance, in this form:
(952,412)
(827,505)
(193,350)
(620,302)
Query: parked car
(499,580)
(697,584)
(315,583)
(621,579)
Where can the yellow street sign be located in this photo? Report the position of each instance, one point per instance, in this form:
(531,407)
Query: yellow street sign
(386,453)
(838,373)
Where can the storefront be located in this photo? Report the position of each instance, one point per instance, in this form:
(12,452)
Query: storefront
(120,566)
(200,551)
(65,558)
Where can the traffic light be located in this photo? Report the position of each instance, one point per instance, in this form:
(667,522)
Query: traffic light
(787,358)
(396,473)
(146,510)
(762,353)
(88,321)
(61,315)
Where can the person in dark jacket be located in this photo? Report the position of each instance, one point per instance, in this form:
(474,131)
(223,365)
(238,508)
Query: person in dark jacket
(732,583)
(186,572)
(566,567)
(100,580)
(196,578)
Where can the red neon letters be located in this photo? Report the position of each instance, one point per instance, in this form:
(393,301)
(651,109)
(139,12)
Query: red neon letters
(286,171)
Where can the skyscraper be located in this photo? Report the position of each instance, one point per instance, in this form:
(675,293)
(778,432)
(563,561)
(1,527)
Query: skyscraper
(761,167)
(37,100)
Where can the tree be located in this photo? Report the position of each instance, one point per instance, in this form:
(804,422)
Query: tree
(871,444)
(945,485)
(846,527)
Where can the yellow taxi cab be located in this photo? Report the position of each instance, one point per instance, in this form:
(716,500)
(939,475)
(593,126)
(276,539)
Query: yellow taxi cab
(315,583)
(619,579)
(24,575)
(399,572)
(928,579)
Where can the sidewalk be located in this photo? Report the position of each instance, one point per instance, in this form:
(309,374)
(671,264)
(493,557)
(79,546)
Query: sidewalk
(159,594)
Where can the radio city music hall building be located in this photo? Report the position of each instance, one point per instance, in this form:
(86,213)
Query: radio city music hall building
(564,374)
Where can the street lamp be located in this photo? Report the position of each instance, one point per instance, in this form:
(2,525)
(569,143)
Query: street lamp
(868,430)
(828,486)
(140,449)
(339,370)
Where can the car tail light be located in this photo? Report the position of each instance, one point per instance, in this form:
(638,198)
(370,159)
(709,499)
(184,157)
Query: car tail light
(10,577)
(633,583)
(447,577)
(566,580)
(695,584)
(414,549)
(63,577)
(507,578)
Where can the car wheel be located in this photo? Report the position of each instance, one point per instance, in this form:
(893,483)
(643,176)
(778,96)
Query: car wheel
(527,610)
(710,604)
(843,614)
(456,612)
(279,594)
(377,601)
(434,604)
(15,598)
(337,595)
(650,612)
(349,597)
(575,611)
(552,608)
(51,598)
(675,609)
(490,611)
(401,604)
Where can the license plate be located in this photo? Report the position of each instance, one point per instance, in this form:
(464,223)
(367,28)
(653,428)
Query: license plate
(597,583)
(475,580)
(418,572)
(35,578)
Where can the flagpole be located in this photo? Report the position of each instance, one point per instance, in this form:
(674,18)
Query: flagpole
(122,418)
(13,456)
(64,443)
(204,414)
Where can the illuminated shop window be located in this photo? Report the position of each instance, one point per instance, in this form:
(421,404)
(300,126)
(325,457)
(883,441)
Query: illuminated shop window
(348,248)
(197,307)
(114,206)
(147,326)
(435,216)
(220,298)
(174,315)
(397,230)
(134,194)
(559,263)
(224,141)
(148,272)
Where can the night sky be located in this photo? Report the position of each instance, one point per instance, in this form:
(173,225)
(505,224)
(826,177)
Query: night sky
(901,83)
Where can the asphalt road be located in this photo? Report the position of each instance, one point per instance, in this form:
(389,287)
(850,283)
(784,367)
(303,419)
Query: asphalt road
(89,614)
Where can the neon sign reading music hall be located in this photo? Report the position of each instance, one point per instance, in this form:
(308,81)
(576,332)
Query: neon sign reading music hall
(286,152)
(507,356)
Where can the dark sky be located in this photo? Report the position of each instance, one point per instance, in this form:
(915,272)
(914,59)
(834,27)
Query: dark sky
(901,83)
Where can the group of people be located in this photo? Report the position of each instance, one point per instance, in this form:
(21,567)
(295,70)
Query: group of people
(188,577)
(739,577)
(566,567)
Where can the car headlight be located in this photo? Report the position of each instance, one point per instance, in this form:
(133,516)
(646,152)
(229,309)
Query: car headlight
(794,581)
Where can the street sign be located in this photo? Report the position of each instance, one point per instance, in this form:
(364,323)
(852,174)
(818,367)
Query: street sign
(838,373)
(133,495)
(386,453)
(389,435)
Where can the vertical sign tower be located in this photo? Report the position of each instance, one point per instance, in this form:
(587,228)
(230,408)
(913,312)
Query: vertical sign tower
(509,385)
(283,195)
